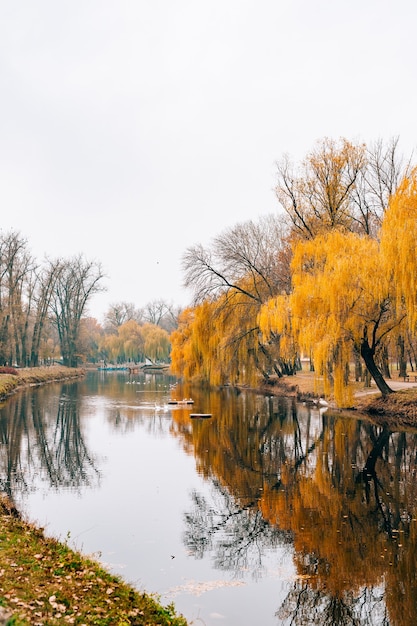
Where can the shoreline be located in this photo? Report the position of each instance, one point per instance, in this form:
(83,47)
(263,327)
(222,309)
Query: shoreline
(35,376)
(398,409)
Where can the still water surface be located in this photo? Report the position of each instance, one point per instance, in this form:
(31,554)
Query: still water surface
(272,512)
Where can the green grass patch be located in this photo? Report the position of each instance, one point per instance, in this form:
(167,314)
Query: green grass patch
(44,582)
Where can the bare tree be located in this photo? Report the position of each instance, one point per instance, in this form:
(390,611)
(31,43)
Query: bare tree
(244,267)
(386,167)
(169,321)
(42,290)
(161,313)
(378,181)
(16,266)
(251,258)
(77,282)
(119,313)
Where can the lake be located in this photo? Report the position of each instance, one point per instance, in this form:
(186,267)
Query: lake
(271,512)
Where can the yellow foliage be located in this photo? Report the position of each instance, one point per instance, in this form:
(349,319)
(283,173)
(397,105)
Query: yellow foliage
(218,341)
(134,340)
(156,342)
(181,341)
(399,246)
(193,345)
(318,197)
(338,287)
(346,288)
(274,316)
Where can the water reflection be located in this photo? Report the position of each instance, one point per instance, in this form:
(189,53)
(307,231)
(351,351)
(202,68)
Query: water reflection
(337,494)
(306,605)
(236,535)
(345,491)
(41,437)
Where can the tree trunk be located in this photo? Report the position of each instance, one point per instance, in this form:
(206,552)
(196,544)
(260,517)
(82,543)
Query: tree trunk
(384,361)
(358,364)
(401,357)
(368,353)
(412,352)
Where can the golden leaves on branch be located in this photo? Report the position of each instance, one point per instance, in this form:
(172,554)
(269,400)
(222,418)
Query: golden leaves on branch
(399,249)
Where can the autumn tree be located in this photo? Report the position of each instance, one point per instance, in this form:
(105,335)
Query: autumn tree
(111,348)
(398,248)
(340,184)
(351,290)
(33,293)
(134,341)
(157,344)
(89,339)
(131,342)
(186,356)
(49,347)
(340,298)
(244,267)
(19,264)
(196,345)
(317,197)
(16,267)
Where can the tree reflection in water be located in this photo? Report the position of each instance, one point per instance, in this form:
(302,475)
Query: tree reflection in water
(340,493)
(237,535)
(40,435)
(306,606)
(343,489)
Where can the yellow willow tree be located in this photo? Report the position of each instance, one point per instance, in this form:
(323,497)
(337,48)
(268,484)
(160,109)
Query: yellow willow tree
(219,341)
(399,248)
(156,342)
(342,297)
(234,347)
(126,344)
(181,348)
(192,344)
(111,348)
(132,341)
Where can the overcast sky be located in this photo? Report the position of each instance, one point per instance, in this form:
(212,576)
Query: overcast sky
(131,130)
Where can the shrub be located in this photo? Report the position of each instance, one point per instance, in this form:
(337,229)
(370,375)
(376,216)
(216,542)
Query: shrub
(8,370)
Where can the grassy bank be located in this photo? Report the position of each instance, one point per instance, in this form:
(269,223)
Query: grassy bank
(32,376)
(43,582)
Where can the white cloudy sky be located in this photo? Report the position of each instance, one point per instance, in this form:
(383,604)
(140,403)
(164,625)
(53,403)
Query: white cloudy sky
(132,129)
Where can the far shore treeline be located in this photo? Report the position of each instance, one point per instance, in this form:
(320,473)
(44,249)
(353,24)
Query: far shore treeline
(331,278)
(43,314)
